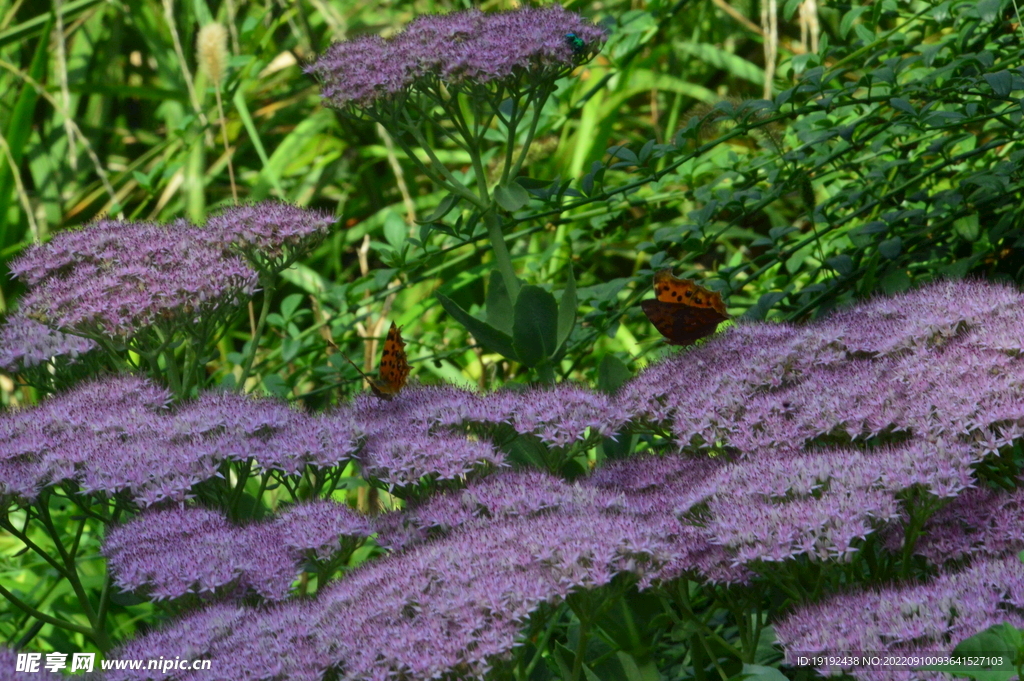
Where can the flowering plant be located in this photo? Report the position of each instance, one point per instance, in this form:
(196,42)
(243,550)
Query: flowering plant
(802,491)
(479,81)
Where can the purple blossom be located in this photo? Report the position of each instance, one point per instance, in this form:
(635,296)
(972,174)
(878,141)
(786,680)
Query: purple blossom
(914,618)
(461,48)
(316,526)
(210,555)
(178,551)
(421,614)
(978,523)
(417,408)
(271,235)
(924,318)
(506,495)
(559,416)
(118,435)
(116,279)
(8,664)
(25,343)
(405,459)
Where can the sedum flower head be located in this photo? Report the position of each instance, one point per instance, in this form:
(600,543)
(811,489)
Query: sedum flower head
(316,526)
(116,279)
(979,523)
(26,343)
(117,435)
(456,49)
(210,556)
(907,619)
(451,604)
(271,235)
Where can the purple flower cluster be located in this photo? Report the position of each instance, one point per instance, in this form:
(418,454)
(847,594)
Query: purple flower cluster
(410,438)
(460,48)
(932,363)
(908,619)
(820,436)
(8,664)
(560,416)
(270,235)
(25,343)
(315,526)
(117,435)
(503,548)
(979,523)
(417,434)
(115,279)
(173,552)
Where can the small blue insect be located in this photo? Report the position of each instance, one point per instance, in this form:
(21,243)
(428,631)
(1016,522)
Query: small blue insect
(575,42)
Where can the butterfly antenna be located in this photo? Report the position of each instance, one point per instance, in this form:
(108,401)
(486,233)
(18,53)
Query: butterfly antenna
(356,367)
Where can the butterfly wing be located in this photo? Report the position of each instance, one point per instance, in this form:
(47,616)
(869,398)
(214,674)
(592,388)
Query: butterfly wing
(679,324)
(684,312)
(670,289)
(394,365)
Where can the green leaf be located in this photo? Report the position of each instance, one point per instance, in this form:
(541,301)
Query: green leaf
(290,348)
(764,304)
(499,305)
(485,334)
(896,281)
(511,196)
(727,61)
(290,304)
(890,248)
(967,227)
(623,152)
(841,263)
(1001,82)
(612,372)
(395,230)
(250,128)
(567,310)
(535,327)
(902,105)
(849,18)
(989,10)
(645,151)
(443,208)
(276,386)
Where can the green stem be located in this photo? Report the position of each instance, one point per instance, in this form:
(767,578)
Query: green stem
(43,617)
(438,167)
(267,282)
(546,372)
(243,477)
(23,538)
(555,617)
(502,257)
(510,145)
(581,648)
(71,574)
(538,104)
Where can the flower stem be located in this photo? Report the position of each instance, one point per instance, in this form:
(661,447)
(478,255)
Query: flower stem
(268,294)
(502,258)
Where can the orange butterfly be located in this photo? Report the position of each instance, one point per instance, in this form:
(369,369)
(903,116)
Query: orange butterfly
(683,311)
(394,366)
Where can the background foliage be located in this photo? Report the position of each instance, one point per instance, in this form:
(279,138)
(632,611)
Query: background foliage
(887,154)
